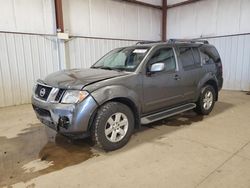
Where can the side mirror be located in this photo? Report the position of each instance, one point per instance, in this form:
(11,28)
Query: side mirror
(157,67)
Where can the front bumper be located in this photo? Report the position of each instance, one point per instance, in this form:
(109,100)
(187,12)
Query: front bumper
(68,119)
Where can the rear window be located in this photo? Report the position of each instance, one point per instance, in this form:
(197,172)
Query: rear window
(190,57)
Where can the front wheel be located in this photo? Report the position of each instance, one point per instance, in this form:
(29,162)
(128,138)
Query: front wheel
(206,100)
(113,126)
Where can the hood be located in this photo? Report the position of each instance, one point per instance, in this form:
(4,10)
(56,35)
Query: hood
(78,78)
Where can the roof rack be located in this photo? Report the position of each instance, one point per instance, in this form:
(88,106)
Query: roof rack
(187,41)
(147,42)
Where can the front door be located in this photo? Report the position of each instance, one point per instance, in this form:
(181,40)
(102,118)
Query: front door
(162,89)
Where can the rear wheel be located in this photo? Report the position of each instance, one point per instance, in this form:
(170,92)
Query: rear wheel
(206,100)
(113,126)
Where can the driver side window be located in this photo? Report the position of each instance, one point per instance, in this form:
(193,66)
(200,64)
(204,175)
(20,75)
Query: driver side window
(166,56)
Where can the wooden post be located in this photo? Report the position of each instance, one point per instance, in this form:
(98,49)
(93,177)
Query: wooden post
(59,16)
(164,20)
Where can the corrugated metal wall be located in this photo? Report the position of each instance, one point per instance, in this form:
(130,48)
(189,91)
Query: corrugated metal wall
(235,55)
(212,18)
(209,18)
(111,19)
(24,59)
(27,16)
(83,52)
(153,2)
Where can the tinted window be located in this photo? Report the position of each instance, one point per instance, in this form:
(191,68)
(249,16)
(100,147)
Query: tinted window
(210,54)
(190,57)
(196,55)
(164,55)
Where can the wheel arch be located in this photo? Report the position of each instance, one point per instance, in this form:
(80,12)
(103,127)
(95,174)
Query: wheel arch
(117,93)
(131,105)
(208,79)
(125,101)
(214,84)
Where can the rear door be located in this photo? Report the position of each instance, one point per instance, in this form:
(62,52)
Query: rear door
(191,70)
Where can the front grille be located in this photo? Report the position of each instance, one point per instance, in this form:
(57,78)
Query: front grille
(59,94)
(41,112)
(42,92)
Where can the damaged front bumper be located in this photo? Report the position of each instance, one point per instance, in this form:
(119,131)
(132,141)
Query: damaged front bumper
(68,119)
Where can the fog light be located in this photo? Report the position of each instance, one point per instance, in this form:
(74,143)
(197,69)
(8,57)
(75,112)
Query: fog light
(63,122)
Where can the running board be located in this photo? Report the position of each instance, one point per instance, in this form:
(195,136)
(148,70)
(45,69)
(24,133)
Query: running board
(167,113)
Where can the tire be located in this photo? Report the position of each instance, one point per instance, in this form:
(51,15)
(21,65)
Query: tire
(205,103)
(113,126)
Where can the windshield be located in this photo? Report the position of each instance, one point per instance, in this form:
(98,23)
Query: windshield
(126,59)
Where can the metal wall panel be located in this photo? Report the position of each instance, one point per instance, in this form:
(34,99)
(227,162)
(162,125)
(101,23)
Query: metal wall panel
(153,2)
(235,55)
(209,18)
(24,59)
(83,52)
(111,19)
(171,2)
(212,18)
(27,16)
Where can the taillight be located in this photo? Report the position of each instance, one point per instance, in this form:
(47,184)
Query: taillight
(220,68)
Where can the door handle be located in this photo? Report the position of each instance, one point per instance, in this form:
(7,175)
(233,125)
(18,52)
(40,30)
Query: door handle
(177,77)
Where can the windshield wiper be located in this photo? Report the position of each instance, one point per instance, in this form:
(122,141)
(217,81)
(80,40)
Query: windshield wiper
(108,68)
(102,67)
(119,68)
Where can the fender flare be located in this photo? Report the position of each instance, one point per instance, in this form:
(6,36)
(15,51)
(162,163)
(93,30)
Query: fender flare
(209,78)
(120,94)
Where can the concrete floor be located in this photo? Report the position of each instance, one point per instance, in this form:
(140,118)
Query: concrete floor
(183,151)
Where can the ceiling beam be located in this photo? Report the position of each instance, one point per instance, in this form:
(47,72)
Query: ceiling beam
(160,7)
(182,3)
(59,16)
(142,3)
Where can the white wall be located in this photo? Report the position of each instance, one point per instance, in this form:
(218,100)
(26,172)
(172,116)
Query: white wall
(28,16)
(171,2)
(209,18)
(213,18)
(111,19)
(24,59)
(153,2)
(235,55)
(84,52)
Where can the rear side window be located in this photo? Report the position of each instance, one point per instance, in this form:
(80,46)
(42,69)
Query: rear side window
(190,57)
(196,55)
(210,54)
(164,55)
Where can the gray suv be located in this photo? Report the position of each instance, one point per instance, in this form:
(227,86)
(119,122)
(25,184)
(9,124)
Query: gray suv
(128,87)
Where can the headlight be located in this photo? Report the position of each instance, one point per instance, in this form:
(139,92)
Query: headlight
(74,96)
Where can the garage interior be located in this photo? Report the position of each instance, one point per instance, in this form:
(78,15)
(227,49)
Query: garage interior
(43,36)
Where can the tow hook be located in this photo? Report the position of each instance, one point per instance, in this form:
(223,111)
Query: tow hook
(63,122)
